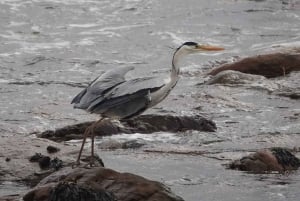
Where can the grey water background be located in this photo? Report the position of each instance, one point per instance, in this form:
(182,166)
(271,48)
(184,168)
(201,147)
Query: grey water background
(49,50)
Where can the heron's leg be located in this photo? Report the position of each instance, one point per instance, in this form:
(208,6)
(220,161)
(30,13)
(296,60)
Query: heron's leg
(92,147)
(92,161)
(85,135)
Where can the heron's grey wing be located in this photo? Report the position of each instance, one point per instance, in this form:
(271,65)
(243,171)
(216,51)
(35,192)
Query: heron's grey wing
(126,93)
(100,86)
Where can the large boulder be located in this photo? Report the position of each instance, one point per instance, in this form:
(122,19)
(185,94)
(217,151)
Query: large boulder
(266,160)
(231,77)
(139,124)
(102,182)
(268,65)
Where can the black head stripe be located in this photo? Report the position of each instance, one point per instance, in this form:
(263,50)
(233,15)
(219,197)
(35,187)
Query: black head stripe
(190,43)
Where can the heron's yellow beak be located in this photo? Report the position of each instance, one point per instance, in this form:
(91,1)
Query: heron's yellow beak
(209,48)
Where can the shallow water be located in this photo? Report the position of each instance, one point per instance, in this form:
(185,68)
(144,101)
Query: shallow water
(205,178)
(50,49)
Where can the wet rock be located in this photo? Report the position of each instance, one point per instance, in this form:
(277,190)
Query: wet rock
(97,160)
(268,65)
(290,93)
(115,144)
(140,124)
(266,160)
(132,144)
(110,144)
(233,77)
(10,198)
(36,157)
(71,192)
(56,163)
(44,162)
(52,149)
(66,133)
(102,182)
(155,123)
(74,192)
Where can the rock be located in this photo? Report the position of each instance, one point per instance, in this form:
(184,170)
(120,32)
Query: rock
(290,93)
(36,157)
(139,124)
(103,182)
(266,160)
(74,192)
(71,192)
(233,77)
(10,198)
(44,162)
(56,163)
(52,149)
(97,160)
(66,133)
(112,144)
(268,65)
(155,123)
(132,144)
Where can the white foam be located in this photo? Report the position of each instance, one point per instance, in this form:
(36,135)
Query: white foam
(89,25)
(153,137)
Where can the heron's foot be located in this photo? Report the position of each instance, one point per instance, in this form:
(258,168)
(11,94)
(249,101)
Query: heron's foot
(91,164)
(93,161)
(76,164)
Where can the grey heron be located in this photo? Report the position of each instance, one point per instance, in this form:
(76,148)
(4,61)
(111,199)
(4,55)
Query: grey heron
(112,96)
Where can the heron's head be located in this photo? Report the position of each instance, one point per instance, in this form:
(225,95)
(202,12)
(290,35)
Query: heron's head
(192,47)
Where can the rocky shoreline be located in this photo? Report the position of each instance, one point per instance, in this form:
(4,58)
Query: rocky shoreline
(46,176)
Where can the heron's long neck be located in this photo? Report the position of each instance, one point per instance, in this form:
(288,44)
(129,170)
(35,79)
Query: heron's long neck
(175,66)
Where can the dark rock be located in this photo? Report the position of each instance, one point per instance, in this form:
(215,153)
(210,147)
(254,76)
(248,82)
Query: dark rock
(290,93)
(73,192)
(155,123)
(41,194)
(266,160)
(10,198)
(101,182)
(36,157)
(234,77)
(7,159)
(97,160)
(52,149)
(139,124)
(44,162)
(286,158)
(132,144)
(115,144)
(66,133)
(56,163)
(268,65)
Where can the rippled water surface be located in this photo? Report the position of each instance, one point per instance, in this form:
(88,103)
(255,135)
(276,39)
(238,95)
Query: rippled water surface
(51,49)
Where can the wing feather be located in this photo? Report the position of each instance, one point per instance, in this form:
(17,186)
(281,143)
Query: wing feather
(126,92)
(98,87)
